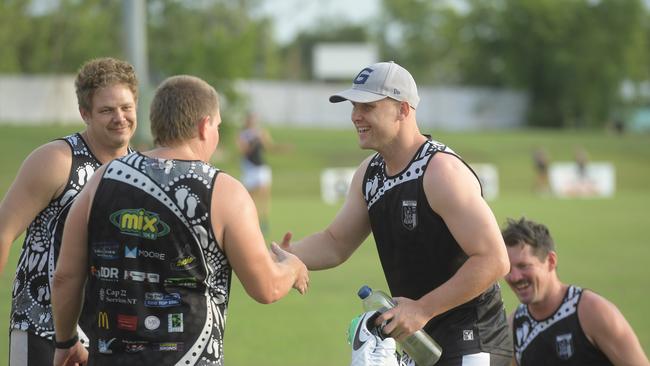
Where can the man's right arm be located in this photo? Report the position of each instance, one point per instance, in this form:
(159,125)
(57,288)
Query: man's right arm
(40,179)
(606,327)
(265,277)
(336,243)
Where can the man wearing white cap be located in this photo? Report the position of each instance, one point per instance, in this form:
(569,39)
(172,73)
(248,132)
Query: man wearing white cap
(439,243)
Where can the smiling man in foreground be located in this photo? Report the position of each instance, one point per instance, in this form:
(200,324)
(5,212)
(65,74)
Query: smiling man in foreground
(558,323)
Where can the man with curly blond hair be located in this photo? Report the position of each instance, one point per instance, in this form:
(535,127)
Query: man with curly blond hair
(47,183)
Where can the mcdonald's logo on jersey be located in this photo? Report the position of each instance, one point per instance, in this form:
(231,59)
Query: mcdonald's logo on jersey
(102,320)
(139,222)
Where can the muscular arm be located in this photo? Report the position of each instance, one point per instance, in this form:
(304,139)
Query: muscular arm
(265,278)
(454,193)
(41,178)
(72,266)
(609,331)
(71,273)
(334,245)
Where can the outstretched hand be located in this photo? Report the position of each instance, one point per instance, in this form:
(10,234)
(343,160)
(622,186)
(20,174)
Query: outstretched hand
(286,241)
(282,256)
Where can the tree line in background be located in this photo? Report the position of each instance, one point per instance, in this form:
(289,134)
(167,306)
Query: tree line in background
(570,56)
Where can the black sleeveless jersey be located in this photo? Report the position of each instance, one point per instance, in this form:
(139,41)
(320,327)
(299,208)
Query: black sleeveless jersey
(31,310)
(159,284)
(418,254)
(256,149)
(556,340)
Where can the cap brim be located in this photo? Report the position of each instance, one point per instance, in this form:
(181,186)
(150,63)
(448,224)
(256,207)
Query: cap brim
(357,96)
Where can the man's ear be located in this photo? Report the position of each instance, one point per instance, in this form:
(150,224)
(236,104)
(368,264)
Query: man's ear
(85,115)
(551,260)
(404,110)
(204,123)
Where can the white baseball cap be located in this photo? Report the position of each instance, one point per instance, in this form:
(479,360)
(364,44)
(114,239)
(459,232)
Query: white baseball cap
(378,81)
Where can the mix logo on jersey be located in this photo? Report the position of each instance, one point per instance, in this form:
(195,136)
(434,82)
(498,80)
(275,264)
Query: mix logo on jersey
(139,222)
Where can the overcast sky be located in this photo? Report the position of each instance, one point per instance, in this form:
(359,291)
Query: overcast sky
(292,16)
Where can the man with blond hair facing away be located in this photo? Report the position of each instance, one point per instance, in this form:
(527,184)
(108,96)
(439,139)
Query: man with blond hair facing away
(156,236)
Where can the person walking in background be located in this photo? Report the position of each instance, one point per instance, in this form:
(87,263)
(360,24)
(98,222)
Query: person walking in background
(156,236)
(558,323)
(439,244)
(541,163)
(256,173)
(47,183)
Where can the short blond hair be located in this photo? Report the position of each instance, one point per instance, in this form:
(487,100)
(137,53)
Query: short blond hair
(178,105)
(100,73)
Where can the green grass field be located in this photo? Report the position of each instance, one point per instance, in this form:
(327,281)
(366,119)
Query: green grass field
(602,243)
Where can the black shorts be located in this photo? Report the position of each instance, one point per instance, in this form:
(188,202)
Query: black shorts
(28,349)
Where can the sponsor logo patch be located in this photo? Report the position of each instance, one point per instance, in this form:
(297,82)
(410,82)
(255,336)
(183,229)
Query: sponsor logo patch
(106,250)
(102,320)
(104,345)
(105,273)
(140,223)
(127,322)
(169,346)
(138,276)
(189,282)
(152,322)
(175,323)
(116,296)
(161,300)
(135,252)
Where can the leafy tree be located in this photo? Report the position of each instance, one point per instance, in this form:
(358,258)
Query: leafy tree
(569,55)
(57,39)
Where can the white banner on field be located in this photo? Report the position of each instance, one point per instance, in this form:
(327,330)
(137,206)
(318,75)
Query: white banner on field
(489,178)
(596,179)
(334,184)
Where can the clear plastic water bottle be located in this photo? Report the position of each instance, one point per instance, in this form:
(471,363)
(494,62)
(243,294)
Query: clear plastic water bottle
(419,346)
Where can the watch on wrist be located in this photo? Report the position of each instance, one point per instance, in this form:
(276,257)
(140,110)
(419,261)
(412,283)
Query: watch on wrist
(65,344)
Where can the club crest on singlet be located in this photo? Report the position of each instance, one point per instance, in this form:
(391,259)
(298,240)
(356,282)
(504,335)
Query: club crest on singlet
(564,346)
(410,214)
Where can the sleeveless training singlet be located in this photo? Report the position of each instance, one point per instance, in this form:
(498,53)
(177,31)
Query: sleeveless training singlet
(158,282)
(31,310)
(556,340)
(418,254)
